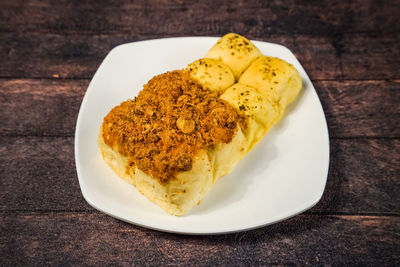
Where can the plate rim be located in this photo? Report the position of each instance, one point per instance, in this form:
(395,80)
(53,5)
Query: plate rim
(172,229)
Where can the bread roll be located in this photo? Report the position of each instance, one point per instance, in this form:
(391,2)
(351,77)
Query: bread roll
(212,73)
(199,115)
(224,157)
(162,140)
(259,112)
(274,78)
(177,196)
(236,51)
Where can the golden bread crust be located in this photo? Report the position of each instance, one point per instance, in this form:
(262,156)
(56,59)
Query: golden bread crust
(213,123)
(213,74)
(274,78)
(235,51)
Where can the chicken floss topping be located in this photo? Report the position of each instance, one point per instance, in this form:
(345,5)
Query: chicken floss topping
(171,119)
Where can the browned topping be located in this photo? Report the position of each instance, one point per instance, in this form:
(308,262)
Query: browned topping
(164,127)
(186,125)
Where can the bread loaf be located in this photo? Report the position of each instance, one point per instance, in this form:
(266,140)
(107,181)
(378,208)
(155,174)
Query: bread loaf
(188,128)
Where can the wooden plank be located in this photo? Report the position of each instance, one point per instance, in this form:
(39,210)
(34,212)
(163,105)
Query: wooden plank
(56,56)
(317,56)
(50,107)
(361,108)
(40,107)
(352,56)
(363,178)
(349,56)
(97,239)
(369,55)
(38,174)
(255,18)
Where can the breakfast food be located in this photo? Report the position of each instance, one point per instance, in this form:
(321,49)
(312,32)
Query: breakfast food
(212,74)
(189,127)
(235,51)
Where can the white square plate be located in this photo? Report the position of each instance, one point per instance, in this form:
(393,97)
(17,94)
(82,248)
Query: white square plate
(282,176)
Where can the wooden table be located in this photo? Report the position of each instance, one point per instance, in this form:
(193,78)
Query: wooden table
(50,52)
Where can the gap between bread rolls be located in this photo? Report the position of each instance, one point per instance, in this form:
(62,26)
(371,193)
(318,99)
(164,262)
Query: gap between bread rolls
(187,128)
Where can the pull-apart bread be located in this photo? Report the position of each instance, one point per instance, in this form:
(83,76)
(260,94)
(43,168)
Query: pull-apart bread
(189,127)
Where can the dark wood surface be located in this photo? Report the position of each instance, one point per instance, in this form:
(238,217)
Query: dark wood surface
(49,53)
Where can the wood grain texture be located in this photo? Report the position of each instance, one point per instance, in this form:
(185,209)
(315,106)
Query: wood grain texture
(75,56)
(50,107)
(363,177)
(256,18)
(361,108)
(40,107)
(97,239)
(353,56)
(369,55)
(50,51)
(57,56)
(39,175)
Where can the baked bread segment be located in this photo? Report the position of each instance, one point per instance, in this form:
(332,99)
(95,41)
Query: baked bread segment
(176,197)
(213,74)
(159,141)
(276,79)
(224,157)
(235,51)
(260,112)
